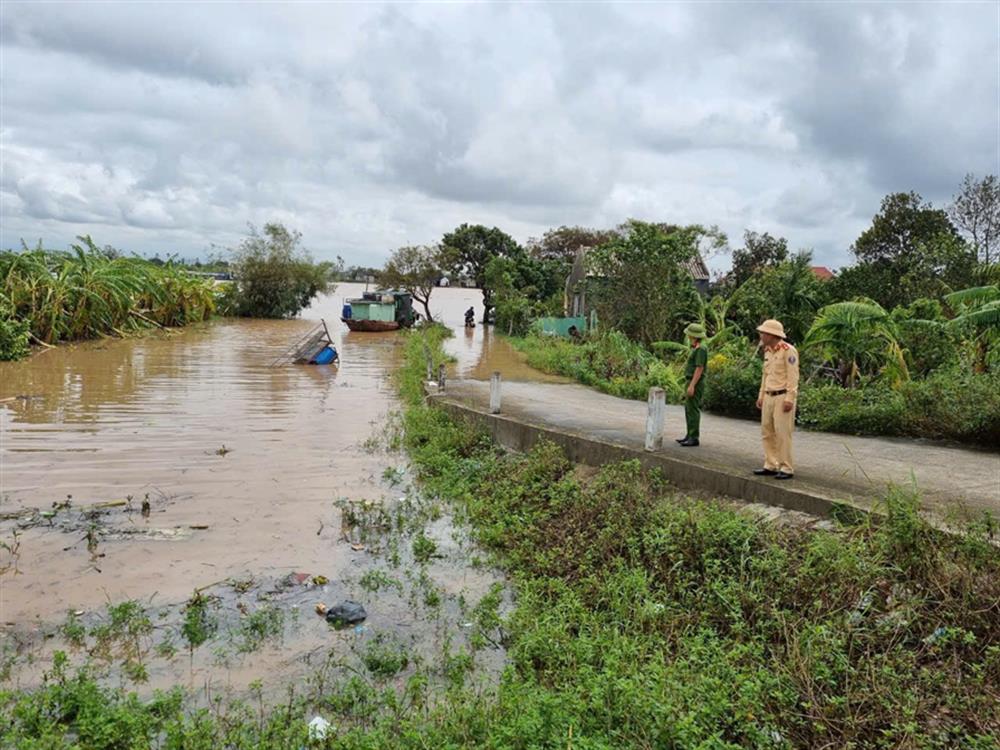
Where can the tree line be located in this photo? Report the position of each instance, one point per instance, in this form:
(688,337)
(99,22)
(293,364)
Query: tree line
(911,250)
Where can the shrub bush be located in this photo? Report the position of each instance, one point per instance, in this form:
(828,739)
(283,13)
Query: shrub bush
(608,361)
(871,410)
(955,403)
(732,382)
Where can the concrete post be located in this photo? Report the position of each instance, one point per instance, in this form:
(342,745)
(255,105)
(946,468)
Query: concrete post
(441,378)
(430,368)
(495,393)
(657,410)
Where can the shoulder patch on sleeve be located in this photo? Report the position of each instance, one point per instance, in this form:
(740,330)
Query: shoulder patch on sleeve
(791,359)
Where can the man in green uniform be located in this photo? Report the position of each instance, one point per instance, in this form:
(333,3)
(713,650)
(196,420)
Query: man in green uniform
(694,372)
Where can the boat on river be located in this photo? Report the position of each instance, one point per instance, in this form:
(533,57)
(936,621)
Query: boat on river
(378,311)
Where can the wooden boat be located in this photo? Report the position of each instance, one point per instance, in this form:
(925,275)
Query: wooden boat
(376,312)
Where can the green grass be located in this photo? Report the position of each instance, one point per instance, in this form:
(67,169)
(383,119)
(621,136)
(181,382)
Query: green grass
(607,361)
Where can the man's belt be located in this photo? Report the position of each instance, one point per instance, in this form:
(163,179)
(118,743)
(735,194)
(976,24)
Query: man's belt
(782,392)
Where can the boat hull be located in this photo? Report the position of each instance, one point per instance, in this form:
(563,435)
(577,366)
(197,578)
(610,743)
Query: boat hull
(371,326)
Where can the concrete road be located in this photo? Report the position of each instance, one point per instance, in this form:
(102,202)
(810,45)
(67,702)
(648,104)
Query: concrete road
(952,480)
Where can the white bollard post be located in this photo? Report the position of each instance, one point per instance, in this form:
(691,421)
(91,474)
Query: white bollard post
(430,368)
(495,393)
(441,378)
(654,418)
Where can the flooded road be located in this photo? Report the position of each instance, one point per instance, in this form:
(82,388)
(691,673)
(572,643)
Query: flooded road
(242,464)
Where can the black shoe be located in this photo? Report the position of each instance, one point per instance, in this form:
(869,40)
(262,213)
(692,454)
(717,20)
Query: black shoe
(690,443)
(682,440)
(765,472)
(783,475)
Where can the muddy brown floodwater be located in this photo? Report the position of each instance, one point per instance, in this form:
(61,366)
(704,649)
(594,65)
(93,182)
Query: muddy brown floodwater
(241,463)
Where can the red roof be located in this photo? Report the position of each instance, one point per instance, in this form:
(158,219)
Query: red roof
(822,273)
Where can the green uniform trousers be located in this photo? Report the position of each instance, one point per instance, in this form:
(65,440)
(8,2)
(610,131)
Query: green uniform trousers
(692,411)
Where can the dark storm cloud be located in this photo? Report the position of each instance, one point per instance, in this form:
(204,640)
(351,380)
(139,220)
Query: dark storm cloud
(168,126)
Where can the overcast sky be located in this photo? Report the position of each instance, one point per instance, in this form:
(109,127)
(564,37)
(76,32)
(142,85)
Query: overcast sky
(166,127)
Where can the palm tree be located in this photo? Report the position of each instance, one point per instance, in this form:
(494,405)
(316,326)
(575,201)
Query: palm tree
(978,308)
(858,335)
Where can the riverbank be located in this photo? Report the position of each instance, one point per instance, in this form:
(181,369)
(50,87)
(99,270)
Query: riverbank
(642,617)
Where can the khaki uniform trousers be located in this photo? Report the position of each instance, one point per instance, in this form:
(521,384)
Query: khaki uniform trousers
(776,426)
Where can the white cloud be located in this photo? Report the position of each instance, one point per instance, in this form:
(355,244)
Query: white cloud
(166,127)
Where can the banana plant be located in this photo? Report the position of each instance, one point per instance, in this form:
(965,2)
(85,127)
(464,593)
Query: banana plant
(858,335)
(712,315)
(977,308)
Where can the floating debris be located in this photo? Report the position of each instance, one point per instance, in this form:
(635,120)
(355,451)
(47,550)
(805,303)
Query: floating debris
(346,613)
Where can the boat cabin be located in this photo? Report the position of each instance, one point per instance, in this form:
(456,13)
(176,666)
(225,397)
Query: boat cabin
(383,310)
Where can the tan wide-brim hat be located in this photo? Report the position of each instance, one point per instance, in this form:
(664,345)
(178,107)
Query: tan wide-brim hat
(772,327)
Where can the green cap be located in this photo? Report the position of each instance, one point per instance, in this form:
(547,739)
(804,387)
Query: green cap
(695,331)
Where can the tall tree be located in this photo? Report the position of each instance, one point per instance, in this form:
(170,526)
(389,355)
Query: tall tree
(468,250)
(561,244)
(759,251)
(903,222)
(932,268)
(643,285)
(976,211)
(788,291)
(415,268)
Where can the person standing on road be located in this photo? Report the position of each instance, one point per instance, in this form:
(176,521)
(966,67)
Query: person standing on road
(694,372)
(779,388)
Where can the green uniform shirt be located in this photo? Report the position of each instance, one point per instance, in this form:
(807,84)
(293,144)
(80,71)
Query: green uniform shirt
(697,358)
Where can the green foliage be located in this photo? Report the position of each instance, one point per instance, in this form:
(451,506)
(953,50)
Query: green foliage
(424,548)
(642,285)
(385,658)
(930,266)
(759,252)
(859,338)
(874,410)
(608,361)
(924,336)
(955,403)
(274,276)
(788,291)
(468,250)
(200,623)
(416,269)
(13,333)
(258,627)
(733,380)
(903,222)
(88,293)
(646,619)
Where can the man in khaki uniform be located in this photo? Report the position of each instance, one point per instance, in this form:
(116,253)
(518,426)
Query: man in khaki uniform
(779,387)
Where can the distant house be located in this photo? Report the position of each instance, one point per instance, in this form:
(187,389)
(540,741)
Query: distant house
(699,272)
(822,273)
(574,299)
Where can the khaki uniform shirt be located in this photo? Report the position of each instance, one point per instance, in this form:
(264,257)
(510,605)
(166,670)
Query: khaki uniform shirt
(781,371)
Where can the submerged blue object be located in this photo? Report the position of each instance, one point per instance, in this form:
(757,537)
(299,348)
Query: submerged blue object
(326,356)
